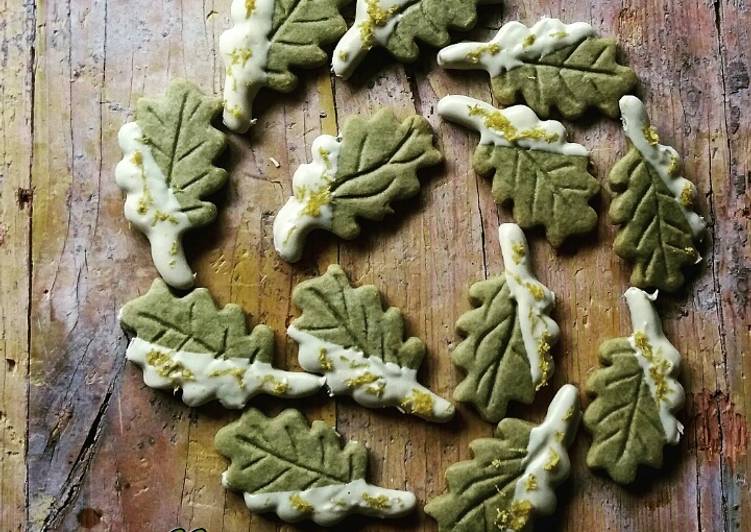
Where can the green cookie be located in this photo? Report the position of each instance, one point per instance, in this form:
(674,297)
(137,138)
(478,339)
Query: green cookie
(511,478)
(284,465)
(533,166)
(654,206)
(187,342)
(167,170)
(398,25)
(636,393)
(359,175)
(345,334)
(508,335)
(551,64)
(267,39)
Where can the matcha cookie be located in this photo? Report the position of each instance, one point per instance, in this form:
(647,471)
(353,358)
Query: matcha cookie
(533,166)
(653,205)
(186,342)
(637,393)
(397,24)
(512,477)
(508,335)
(167,169)
(358,175)
(551,64)
(267,39)
(298,471)
(345,335)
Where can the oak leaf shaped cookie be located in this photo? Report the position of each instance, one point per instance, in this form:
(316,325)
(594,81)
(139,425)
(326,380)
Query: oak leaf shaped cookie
(637,393)
(284,465)
(653,205)
(509,334)
(397,24)
(532,165)
(267,39)
(187,342)
(511,478)
(167,169)
(359,175)
(345,334)
(551,64)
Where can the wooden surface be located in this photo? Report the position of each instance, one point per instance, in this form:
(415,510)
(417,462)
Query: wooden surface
(85,445)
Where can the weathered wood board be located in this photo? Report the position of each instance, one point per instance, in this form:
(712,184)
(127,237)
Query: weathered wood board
(84,445)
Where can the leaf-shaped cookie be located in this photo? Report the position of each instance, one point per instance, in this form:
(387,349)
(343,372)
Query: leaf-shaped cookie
(637,393)
(345,334)
(551,64)
(284,465)
(167,169)
(654,206)
(511,477)
(186,342)
(397,24)
(269,37)
(533,165)
(373,164)
(506,353)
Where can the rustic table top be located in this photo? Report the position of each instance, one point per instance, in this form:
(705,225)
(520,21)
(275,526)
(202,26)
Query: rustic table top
(84,444)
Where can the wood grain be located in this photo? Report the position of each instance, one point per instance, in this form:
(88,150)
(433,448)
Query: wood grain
(90,447)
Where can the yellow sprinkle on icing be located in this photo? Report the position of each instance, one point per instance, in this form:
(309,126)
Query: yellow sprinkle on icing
(530,484)
(650,133)
(516,517)
(569,414)
(675,165)
(659,368)
(145,201)
(377,18)
(250,6)
(560,436)
(519,252)
(277,387)
(300,504)
(536,290)
(237,373)
(166,367)
(418,402)
(376,389)
(316,200)
(495,120)
(173,248)
(240,56)
(543,349)
(490,49)
(324,361)
(529,41)
(687,196)
(379,502)
(362,379)
(160,216)
(559,34)
(137,158)
(553,460)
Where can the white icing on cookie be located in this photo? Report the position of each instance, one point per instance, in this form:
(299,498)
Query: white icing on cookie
(516,126)
(513,44)
(310,205)
(369,380)
(664,159)
(375,21)
(152,207)
(547,463)
(327,505)
(245,48)
(659,360)
(533,301)
(203,377)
